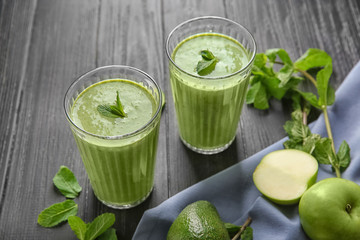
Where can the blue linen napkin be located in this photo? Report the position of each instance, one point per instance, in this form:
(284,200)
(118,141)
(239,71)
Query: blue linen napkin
(234,194)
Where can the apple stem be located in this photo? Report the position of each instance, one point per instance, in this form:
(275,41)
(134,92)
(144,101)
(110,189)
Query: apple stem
(348,208)
(242,229)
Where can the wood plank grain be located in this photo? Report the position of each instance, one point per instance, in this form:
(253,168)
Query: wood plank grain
(62,46)
(14,52)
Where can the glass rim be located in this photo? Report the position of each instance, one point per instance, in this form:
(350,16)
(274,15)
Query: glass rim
(115,137)
(217,18)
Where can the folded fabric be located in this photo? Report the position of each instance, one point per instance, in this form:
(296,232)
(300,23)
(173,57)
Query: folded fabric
(234,194)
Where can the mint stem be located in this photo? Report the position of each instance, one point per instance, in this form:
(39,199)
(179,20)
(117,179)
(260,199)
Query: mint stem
(304,117)
(327,122)
(307,75)
(326,117)
(242,229)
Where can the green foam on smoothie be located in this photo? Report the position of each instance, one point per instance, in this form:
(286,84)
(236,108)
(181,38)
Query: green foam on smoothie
(139,105)
(231,54)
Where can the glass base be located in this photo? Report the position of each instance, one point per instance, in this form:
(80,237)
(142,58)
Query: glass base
(125,206)
(207,151)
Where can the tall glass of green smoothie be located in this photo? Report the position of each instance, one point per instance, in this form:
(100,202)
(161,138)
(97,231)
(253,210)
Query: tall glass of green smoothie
(210,61)
(114,114)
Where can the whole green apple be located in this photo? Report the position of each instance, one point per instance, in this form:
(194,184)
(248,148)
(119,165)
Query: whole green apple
(330,210)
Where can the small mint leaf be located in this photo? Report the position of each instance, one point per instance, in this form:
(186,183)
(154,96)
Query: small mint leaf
(330,96)
(311,98)
(261,99)
(99,225)
(207,55)
(312,58)
(343,156)
(205,67)
(323,152)
(119,105)
(322,79)
(67,183)
(109,234)
(57,213)
(106,111)
(252,92)
(283,55)
(112,111)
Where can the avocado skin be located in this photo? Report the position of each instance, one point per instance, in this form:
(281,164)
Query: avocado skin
(199,220)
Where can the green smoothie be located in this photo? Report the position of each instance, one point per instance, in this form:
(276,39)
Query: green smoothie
(208,107)
(120,169)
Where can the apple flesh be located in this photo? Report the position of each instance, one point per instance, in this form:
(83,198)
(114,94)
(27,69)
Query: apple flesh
(284,175)
(331,210)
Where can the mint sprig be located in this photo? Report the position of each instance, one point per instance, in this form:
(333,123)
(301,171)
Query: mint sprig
(68,185)
(267,83)
(207,64)
(94,229)
(112,111)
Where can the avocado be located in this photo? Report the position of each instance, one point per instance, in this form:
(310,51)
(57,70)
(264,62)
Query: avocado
(199,220)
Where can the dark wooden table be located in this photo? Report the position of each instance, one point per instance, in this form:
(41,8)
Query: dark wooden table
(46,44)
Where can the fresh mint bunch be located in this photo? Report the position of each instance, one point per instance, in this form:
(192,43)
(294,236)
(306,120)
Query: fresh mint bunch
(267,83)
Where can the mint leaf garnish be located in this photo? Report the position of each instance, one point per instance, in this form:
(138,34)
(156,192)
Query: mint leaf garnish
(57,213)
(78,226)
(99,225)
(207,55)
(112,111)
(207,65)
(66,182)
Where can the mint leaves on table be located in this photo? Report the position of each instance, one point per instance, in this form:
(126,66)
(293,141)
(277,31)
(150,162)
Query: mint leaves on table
(57,213)
(68,185)
(267,83)
(207,64)
(112,111)
(78,226)
(94,229)
(66,182)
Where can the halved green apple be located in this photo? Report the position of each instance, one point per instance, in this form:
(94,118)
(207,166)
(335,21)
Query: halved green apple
(284,175)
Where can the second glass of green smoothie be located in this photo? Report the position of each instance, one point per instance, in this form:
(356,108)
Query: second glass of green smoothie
(208,99)
(114,114)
